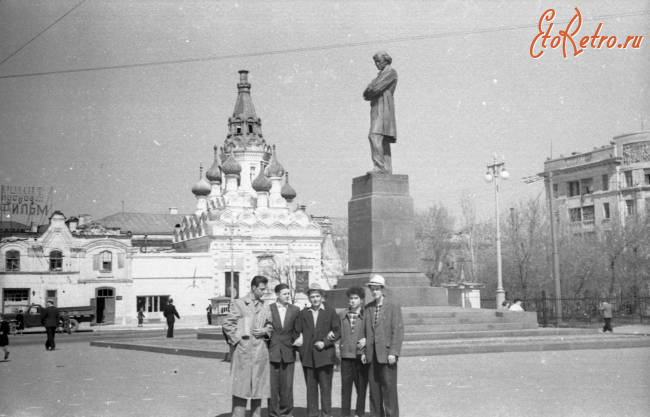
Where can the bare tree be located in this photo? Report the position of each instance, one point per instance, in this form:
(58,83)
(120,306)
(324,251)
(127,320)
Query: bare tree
(433,239)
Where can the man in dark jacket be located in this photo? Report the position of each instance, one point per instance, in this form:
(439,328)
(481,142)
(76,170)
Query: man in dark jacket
(281,352)
(317,352)
(384,331)
(50,319)
(170,313)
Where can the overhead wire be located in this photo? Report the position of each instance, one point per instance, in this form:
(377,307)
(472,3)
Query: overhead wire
(17,51)
(303,49)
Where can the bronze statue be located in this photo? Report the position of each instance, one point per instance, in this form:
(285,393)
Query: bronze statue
(383,130)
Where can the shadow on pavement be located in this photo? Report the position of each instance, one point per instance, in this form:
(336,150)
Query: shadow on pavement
(297,412)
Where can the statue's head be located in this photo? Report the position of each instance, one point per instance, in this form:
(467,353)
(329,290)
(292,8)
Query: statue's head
(382,57)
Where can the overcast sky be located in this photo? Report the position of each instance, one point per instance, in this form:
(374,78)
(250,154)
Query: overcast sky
(114,100)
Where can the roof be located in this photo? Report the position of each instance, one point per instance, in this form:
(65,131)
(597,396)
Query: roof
(142,223)
(12,226)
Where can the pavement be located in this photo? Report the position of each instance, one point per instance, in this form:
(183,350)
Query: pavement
(79,380)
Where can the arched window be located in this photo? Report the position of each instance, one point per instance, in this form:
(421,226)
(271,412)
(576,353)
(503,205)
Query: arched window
(106,259)
(56,260)
(12,260)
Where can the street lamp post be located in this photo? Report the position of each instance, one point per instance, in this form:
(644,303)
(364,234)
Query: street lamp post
(495,171)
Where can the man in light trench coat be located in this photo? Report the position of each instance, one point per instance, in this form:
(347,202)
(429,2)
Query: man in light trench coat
(248,327)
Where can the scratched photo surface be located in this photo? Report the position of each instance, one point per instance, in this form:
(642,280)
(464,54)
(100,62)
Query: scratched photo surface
(111,106)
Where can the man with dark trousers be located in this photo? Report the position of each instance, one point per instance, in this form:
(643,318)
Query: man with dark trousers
(384,331)
(170,314)
(281,352)
(352,346)
(317,352)
(50,319)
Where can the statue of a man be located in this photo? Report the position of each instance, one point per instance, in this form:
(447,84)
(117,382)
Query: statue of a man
(383,130)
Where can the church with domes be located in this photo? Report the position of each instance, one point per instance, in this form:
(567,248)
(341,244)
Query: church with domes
(246,217)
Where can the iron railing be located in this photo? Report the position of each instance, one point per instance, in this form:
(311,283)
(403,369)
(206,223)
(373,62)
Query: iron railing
(583,309)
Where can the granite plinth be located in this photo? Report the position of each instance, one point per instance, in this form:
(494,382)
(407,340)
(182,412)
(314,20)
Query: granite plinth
(381,234)
(381,240)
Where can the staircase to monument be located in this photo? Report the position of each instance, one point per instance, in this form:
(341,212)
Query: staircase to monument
(430,331)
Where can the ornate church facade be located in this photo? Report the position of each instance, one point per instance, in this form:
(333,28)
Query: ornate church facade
(247,222)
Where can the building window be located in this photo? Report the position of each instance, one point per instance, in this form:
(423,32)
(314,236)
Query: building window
(250,128)
(629,181)
(555,190)
(646,176)
(152,303)
(56,260)
(238,129)
(586,186)
(574,188)
(15,299)
(606,213)
(12,260)
(629,207)
(236,285)
(605,180)
(106,258)
(575,215)
(588,214)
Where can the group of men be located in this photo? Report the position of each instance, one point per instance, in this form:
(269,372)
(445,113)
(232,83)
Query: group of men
(263,340)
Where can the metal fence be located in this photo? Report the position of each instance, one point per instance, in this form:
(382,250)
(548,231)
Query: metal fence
(583,309)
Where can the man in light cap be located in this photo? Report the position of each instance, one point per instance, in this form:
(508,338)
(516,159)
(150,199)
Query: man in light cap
(384,333)
(317,352)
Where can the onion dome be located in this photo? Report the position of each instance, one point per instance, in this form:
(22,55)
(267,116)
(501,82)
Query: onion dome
(230,165)
(214,173)
(287,192)
(274,169)
(261,182)
(202,187)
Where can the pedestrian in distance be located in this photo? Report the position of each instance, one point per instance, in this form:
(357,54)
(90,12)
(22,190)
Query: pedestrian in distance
(516,305)
(248,329)
(384,331)
(317,352)
(4,336)
(605,309)
(50,320)
(352,346)
(281,352)
(171,315)
(208,312)
(20,322)
(140,316)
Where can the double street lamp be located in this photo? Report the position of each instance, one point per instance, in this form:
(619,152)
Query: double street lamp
(495,172)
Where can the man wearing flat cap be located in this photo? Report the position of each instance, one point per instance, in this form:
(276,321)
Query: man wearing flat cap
(384,331)
(317,352)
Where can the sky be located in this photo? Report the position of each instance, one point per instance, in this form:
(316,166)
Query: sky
(114,104)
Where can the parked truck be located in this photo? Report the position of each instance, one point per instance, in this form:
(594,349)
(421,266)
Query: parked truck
(69,317)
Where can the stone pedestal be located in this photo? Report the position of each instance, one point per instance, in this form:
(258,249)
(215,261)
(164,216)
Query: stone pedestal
(381,240)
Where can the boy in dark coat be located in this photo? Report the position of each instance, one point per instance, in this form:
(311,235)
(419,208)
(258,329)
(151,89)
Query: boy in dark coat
(352,346)
(317,352)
